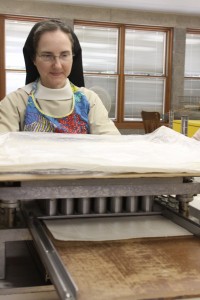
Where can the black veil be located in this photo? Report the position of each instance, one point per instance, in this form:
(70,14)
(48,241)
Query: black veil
(76,75)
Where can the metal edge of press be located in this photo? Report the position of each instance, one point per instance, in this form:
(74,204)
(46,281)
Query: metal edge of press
(181,220)
(64,285)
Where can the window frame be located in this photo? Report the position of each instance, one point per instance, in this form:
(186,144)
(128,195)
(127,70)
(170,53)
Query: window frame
(191,31)
(191,98)
(120,122)
(3,69)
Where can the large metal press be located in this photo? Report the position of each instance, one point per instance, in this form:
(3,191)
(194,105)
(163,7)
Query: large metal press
(126,254)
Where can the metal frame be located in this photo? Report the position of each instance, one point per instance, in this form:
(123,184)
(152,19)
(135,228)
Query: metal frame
(105,187)
(79,188)
(62,280)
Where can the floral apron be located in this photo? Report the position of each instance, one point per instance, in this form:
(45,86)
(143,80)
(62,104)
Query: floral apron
(75,122)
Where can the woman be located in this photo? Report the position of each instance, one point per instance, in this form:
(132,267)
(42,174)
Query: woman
(52,103)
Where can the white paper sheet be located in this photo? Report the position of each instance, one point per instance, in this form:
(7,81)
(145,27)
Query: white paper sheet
(105,229)
(164,150)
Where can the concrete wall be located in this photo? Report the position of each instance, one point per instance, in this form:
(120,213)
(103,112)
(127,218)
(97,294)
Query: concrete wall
(179,22)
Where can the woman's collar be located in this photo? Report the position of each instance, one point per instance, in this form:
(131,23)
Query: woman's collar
(42,92)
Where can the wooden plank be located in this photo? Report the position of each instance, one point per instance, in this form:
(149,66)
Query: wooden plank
(158,268)
(37,177)
(29,293)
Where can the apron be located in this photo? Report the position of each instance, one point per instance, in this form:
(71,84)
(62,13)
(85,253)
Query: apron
(75,122)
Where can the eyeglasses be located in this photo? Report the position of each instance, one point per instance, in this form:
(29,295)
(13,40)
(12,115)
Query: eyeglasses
(49,58)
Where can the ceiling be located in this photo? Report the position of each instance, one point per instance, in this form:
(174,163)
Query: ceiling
(191,7)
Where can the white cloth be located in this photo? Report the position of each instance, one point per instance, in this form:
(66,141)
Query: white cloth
(196,136)
(164,150)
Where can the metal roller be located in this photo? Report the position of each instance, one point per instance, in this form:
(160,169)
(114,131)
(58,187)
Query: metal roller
(100,205)
(116,204)
(83,205)
(131,204)
(67,206)
(50,207)
(147,203)
(8,212)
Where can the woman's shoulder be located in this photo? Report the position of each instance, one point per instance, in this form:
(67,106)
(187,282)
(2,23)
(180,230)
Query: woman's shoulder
(15,97)
(91,95)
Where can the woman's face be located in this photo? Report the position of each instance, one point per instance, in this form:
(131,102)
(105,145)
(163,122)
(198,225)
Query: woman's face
(54,59)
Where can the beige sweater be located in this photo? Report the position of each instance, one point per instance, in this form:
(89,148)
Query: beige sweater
(59,104)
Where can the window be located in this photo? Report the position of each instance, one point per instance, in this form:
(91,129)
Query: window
(192,67)
(132,63)
(100,59)
(191,96)
(144,70)
(16,33)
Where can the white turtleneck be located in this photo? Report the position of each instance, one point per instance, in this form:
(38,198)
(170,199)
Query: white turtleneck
(54,102)
(51,94)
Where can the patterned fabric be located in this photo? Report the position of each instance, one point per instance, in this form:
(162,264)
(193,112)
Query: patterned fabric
(76,122)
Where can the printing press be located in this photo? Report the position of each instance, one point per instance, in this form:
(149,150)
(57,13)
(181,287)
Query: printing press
(132,235)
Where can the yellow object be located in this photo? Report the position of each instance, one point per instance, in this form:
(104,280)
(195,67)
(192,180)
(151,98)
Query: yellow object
(193,126)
